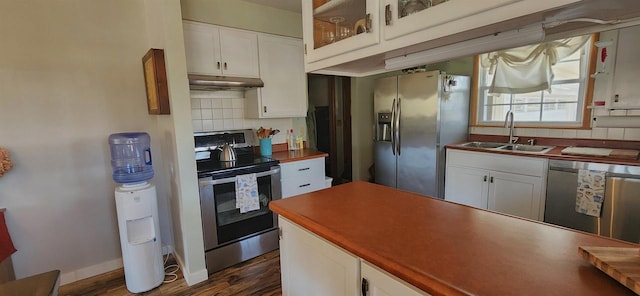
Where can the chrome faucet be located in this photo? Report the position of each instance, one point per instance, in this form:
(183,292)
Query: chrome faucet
(508,123)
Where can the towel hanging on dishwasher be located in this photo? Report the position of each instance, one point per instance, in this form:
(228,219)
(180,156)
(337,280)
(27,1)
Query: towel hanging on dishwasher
(590,193)
(247,197)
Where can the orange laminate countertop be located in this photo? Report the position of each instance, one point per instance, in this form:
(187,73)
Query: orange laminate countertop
(445,248)
(296,155)
(555,153)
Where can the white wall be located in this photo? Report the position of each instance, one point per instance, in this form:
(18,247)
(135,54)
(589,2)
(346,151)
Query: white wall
(244,15)
(164,24)
(70,75)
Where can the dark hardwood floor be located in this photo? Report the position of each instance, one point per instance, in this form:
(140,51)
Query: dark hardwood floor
(258,276)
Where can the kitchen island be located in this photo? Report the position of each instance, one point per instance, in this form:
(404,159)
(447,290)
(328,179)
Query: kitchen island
(443,248)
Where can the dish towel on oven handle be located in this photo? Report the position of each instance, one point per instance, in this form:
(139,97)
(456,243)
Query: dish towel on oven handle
(590,193)
(247,196)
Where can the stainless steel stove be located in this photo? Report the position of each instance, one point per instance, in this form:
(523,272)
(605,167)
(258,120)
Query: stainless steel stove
(231,237)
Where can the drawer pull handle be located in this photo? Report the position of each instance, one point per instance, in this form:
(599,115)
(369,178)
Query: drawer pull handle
(304,185)
(387,14)
(303,169)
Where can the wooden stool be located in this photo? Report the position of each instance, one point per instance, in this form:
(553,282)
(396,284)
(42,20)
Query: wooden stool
(44,284)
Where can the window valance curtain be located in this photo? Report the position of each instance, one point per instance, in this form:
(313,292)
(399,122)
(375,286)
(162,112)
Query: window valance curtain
(528,68)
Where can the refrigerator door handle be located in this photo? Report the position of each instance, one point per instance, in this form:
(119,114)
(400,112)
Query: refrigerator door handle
(393,127)
(398,127)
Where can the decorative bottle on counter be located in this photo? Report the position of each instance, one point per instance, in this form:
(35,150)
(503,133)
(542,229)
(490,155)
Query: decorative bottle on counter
(291,140)
(299,141)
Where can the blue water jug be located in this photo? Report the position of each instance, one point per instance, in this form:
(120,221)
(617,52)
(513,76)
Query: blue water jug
(131,157)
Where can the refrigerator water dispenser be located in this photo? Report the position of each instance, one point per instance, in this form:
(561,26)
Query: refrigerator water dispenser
(383,132)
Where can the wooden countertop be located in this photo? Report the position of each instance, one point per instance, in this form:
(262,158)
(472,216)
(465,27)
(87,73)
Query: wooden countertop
(296,155)
(445,248)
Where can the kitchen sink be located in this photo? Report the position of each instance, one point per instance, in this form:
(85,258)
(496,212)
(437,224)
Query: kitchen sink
(483,145)
(527,148)
(538,149)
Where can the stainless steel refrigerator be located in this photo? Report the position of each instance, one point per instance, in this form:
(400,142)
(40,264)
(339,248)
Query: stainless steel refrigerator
(417,115)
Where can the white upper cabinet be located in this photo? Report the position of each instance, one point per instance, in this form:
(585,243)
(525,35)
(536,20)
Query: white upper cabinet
(625,89)
(400,27)
(402,17)
(333,27)
(213,50)
(285,83)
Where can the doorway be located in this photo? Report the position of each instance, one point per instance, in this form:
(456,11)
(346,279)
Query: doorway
(329,123)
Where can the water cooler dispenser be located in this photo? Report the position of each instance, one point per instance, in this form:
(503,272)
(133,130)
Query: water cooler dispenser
(137,210)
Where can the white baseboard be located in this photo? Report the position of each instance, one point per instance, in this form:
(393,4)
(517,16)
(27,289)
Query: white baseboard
(87,272)
(191,278)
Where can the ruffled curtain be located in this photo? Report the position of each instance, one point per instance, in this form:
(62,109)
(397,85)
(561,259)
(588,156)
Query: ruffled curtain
(528,68)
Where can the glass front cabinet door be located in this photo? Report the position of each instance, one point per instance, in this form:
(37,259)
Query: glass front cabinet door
(404,17)
(333,27)
(431,19)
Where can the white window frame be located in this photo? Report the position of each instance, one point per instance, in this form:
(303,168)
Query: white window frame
(583,81)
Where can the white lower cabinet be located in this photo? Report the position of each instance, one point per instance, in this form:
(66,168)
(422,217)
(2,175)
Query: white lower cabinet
(517,195)
(303,176)
(310,265)
(378,282)
(475,190)
(502,183)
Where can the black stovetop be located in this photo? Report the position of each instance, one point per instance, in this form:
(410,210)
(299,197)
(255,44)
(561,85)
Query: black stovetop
(246,161)
(243,164)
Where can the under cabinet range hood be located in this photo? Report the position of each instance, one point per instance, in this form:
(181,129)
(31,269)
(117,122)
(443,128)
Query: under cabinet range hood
(211,82)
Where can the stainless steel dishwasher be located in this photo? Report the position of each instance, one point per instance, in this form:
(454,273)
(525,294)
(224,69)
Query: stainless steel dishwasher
(620,215)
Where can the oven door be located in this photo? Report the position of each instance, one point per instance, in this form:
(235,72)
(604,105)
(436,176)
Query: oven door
(222,222)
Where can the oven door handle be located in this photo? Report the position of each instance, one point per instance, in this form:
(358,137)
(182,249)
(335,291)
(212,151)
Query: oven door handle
(233,179)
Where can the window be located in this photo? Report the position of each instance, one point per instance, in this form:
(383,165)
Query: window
(562,107)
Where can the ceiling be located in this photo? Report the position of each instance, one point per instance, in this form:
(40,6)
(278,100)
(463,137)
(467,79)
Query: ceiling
(290,5)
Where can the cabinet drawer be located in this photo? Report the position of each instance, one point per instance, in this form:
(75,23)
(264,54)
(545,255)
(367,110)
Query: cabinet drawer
(303,169)
(302,176)
(299,186)
(498,162)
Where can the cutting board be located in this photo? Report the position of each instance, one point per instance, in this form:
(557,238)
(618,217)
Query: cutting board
(622,264)
(601,152)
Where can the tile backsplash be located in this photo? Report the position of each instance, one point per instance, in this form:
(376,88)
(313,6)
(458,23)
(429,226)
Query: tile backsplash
(629,134)
(611,133)
(224,110)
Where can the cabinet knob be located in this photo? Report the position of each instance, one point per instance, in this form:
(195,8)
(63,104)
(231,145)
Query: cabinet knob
(225,65)
(491,180)
(305,185)
(616,98)
(218,65)
(485,179)
(265,109)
